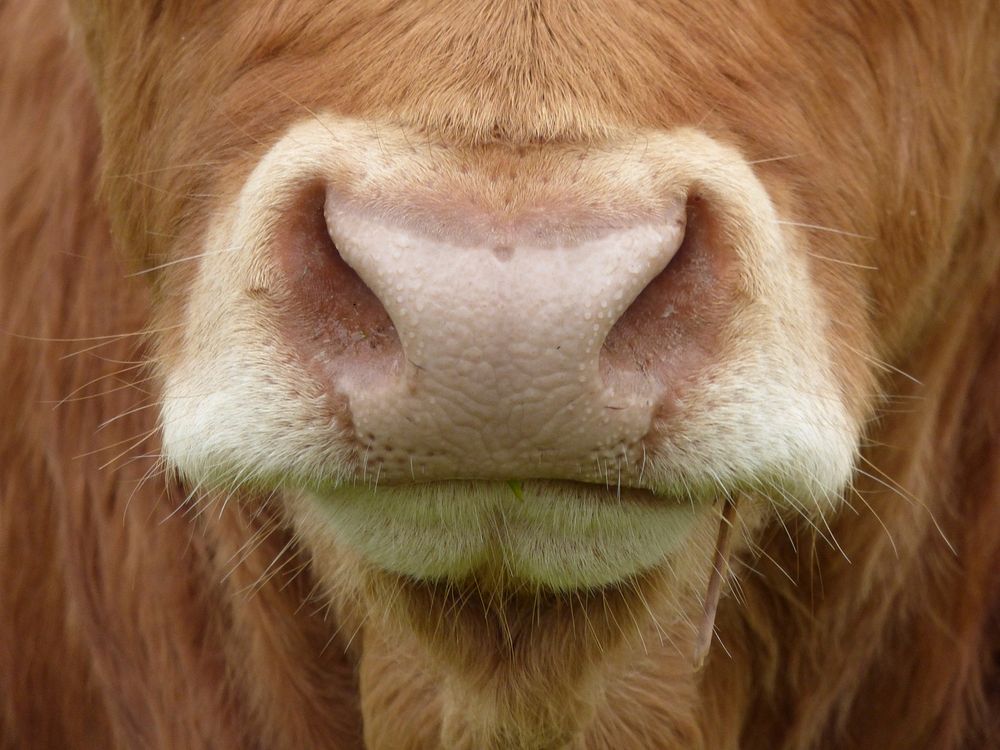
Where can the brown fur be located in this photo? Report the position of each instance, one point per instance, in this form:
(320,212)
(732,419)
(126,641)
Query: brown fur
(129,618)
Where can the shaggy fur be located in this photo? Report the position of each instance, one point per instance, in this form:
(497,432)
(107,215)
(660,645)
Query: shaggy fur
(130,617)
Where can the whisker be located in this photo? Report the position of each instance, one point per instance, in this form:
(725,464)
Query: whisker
(89,383)
(843,262)
(111,446)
(174,167)
(892,542)
(124,414)
(179,260)
(104,338)
(128,450)
(152,471)
(893,485)
(775,158)
(820,228)
(882,365)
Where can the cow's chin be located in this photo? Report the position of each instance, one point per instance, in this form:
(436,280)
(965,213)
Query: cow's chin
(538,534)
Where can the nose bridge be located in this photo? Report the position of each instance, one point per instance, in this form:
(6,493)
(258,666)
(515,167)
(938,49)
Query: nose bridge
(502,338)
(513,297)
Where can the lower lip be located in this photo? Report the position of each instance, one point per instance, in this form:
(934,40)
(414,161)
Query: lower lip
(559,535)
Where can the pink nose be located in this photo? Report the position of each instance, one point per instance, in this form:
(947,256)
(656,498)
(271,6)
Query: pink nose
(516,349)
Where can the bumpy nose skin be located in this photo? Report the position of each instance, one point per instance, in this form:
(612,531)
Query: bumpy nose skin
(502,344)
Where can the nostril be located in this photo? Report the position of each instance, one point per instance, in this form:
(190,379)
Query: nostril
(677,318)
(327,307)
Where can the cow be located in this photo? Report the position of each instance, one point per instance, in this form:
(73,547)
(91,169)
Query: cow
(499,374)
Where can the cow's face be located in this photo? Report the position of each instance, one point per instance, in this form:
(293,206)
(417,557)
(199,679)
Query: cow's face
(514,291)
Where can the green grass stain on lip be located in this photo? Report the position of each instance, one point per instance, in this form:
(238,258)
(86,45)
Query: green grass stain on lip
(516,488)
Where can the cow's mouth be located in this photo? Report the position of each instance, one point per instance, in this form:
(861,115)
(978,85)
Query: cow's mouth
(525,490)
(536,533)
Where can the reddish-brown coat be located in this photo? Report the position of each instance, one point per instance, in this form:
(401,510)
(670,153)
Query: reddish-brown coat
(127,622)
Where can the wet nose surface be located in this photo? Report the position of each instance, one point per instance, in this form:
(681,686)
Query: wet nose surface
(501,342)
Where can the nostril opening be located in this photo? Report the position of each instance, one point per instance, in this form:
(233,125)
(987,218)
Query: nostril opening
(328,308)
(677,317)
